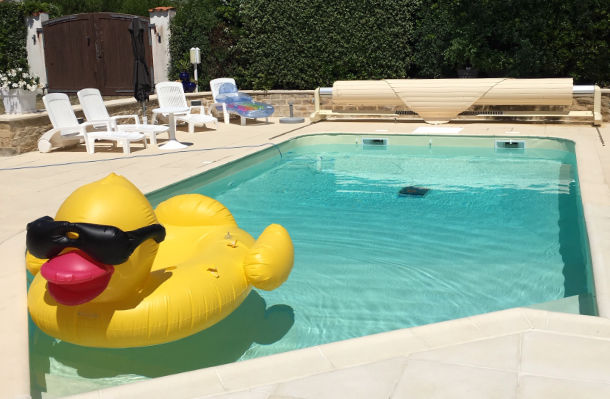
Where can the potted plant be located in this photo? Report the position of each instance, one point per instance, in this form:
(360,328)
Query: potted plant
(184,65)
(18,89)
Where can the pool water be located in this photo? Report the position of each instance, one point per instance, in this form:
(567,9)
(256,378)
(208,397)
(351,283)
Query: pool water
(497,228)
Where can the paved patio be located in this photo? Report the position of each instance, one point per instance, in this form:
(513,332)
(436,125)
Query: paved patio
(518,353)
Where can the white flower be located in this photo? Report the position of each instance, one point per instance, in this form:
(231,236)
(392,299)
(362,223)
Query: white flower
(19,78)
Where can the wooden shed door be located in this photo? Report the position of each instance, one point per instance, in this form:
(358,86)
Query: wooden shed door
(91,50)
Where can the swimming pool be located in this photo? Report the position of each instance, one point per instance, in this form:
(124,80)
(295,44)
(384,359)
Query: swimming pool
(499,227)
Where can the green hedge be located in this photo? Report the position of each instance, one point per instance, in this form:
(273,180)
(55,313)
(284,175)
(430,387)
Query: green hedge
(518,38)
(12,36)
(303,45)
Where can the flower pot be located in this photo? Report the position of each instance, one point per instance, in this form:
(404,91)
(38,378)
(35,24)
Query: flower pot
(189,87)
(18,101)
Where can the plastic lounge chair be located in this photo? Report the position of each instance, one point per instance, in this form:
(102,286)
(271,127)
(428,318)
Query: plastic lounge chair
(95,110)
(230,101)
(171,95)
(67,129)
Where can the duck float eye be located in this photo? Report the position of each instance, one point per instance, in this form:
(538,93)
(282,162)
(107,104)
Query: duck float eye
(132,276)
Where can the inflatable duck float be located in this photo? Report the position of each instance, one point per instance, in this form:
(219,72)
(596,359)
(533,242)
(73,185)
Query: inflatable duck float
(109,271)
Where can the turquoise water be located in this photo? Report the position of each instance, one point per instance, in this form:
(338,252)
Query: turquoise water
(497,229)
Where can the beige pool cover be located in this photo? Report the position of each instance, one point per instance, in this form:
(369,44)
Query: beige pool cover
(440,100)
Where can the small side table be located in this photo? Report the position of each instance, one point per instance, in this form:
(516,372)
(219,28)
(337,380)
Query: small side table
(172,144)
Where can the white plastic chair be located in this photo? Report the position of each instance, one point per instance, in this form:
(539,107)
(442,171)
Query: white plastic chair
(171,95)
(67,129)
(95,110)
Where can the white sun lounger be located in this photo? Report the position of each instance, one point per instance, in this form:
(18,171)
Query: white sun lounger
(67,130)
(95,110)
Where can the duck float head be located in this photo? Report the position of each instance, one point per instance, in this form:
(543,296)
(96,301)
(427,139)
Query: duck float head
(112,272)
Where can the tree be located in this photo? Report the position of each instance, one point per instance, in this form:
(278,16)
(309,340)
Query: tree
(204,24)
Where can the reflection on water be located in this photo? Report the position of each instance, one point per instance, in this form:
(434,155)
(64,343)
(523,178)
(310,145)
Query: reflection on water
(222,343)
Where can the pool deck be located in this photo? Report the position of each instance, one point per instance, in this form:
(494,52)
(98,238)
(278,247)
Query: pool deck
(516,353)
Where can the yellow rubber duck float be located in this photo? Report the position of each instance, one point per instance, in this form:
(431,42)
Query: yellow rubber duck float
(111,272)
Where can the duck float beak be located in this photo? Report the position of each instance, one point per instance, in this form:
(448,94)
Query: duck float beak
(74,278)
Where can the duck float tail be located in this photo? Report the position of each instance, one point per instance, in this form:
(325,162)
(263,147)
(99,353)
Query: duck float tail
(111,272)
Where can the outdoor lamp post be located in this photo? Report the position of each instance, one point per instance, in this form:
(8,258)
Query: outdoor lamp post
(195,59)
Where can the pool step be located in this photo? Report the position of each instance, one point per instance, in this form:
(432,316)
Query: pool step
(577,304)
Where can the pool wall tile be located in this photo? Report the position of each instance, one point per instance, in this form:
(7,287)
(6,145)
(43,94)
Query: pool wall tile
(184,385)
(534,387)
(433,380)
(87,395)
(14,366)
(502,322)
(579,325)
(448,332)
(598,227)
(274,368)
(375,380)
(502,353)
(372,348)
(538,319)
(566,356)
(264,392)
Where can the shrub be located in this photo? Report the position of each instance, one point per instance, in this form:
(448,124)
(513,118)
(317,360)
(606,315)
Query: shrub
(12,36)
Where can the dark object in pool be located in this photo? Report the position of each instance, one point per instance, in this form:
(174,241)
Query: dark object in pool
(413,191)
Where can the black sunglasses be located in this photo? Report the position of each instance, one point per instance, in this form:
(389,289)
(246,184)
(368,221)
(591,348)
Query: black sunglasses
(46,238)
